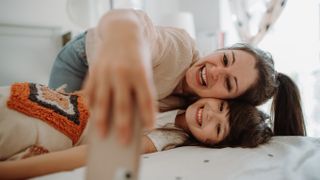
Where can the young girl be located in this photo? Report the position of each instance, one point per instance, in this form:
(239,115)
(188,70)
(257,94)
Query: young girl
(37,120)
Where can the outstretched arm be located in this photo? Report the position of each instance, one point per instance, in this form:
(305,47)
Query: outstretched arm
(65,160)
(44,164)
(121,68)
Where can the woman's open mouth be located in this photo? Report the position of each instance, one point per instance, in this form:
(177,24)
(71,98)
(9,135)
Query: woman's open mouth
(203,76)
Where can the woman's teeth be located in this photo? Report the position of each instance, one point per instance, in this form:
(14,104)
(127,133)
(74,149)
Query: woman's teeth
(199,116)
(203,76)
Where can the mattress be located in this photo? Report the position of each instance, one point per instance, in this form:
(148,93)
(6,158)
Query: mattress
(286,157)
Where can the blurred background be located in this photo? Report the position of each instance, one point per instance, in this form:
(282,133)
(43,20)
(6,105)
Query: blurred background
(33,31)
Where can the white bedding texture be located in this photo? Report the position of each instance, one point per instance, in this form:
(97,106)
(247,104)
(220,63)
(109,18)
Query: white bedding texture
(287,157)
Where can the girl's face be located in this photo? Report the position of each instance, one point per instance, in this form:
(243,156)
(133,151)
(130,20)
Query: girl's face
(223,74)
(208,120)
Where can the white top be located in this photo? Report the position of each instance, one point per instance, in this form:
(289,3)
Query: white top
(167,135)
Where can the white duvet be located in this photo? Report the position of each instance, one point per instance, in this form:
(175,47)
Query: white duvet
(291,158)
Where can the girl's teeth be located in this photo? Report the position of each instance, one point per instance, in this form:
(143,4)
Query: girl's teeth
(199,116)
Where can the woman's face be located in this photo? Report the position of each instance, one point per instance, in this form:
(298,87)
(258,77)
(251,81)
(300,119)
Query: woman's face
(208,120)
(223,74)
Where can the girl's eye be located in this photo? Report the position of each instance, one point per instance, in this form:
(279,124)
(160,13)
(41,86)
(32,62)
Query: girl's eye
(218,129)
(225,60)
(221,106)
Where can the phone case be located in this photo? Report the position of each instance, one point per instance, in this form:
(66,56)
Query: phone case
(110,160)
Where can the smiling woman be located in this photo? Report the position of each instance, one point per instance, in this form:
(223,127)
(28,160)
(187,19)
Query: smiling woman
(224,74)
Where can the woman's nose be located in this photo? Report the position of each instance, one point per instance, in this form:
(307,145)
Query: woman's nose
(216,72)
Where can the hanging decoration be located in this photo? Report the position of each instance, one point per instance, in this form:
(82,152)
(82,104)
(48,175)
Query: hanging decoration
(254,18)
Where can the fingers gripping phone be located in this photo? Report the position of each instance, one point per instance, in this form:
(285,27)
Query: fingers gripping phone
(110,160)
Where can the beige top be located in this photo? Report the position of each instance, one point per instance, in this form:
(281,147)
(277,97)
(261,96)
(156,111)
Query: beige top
(19,132)
(173,51)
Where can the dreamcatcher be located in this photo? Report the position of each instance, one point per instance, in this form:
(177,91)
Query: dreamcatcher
(254,18)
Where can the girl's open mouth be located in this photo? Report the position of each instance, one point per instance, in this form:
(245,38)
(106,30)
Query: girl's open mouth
(199,116)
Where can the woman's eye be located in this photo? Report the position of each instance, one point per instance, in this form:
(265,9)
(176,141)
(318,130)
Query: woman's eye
(225,60)
(228,84)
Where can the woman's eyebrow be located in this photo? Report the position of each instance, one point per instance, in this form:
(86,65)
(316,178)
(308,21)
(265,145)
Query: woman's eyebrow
(233,58)
(235,78)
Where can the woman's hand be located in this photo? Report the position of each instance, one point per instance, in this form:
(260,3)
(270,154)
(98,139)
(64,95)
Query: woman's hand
(120,76)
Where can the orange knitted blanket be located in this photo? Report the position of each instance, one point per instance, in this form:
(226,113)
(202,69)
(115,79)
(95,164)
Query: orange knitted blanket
(65,112)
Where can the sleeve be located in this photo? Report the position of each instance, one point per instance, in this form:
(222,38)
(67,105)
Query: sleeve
(166,135)
(167,138)
(167,117)
(167,43)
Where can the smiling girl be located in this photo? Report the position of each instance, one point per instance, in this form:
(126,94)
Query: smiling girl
(44,131)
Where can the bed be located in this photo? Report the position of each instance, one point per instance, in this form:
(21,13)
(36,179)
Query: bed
(286,157)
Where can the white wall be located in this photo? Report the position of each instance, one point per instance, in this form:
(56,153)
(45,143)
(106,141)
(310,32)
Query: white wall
(27,53)
(36,12)
(206,14)
(30,37)
(207,22)
(156,9)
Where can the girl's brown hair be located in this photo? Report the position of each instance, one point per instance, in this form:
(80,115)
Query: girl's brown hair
(248,126)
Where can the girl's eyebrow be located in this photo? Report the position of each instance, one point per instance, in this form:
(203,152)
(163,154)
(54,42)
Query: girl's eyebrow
(225,132)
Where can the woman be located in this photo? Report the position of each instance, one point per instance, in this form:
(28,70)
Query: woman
(29,109)
(126,50)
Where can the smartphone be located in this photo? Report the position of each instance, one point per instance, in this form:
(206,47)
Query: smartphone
(108,159)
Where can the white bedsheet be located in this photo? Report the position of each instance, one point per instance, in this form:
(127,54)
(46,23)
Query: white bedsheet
(292,158)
